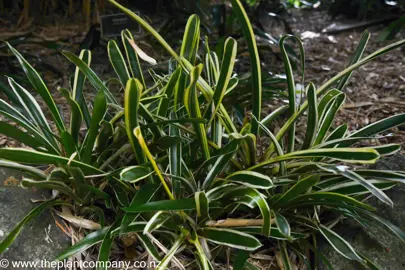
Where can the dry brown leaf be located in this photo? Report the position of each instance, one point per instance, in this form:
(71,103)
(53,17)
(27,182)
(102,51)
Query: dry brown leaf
(142,54)
(11,181)
(78,221)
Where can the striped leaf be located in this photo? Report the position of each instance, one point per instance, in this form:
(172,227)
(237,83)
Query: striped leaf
(357,178)
(250,38)
(13,115)
(133,92)
(118,62)
(339,244)
(156,221)
(9,239)
(380,126)
(328,117)
(76,115)
(51,185)
(191,39)
(23,155)
(132,56)
(33,110)
(201,203)
(326,86)
(283,225)
(388,149)
(17,134)
(164,263)
(337,133)
(273,115)
(203,259)
(350,155)
(312,124)
(141,141)
(78,84)
(88,241)
(231,238)
(167,205)
(228,61)
(251,179)
(32,171)
(327,199)
(99,110)
(169,90)
(142,196)
(292,93)
(300,187)
(134,174)
(257,198)
(285,256)
(355,58)
(90,75)
(175,155)
(149,246)
(220,164)
(105,247)
(40,87)
(193,109)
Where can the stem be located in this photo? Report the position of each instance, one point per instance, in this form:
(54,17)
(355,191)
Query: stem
(138,135)
(120,151)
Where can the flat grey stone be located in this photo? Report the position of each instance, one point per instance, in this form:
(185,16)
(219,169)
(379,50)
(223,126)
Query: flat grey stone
(40,239)
(380,246)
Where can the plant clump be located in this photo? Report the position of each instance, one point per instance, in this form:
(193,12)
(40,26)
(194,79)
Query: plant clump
(171,167)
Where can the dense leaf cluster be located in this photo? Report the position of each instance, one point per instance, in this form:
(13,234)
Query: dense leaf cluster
(171,166)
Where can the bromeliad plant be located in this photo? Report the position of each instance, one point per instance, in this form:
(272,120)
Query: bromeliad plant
(171,167)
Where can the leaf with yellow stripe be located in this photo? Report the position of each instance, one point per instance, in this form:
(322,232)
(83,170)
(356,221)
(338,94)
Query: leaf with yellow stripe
(193,109)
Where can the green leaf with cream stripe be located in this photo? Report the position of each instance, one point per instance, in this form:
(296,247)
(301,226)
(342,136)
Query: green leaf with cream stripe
(359,179)
(312,124)
(164,263)
(356,57)
(191,39)
(193,109)
(201,203)
(40,87)
(99,111)
(9,239)
(134,174)
(118,62)
(78,84)
(91,76)
(339,244)
(300,187)
(231,238)
(251,179)
(76,116)
(328,117)
(228,61)
(350,155)
(156,221)
(133,92)
(32,109)
(132,56)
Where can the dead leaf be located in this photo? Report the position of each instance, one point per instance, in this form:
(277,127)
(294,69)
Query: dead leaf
(142,54)
(11,181)
(128,239)
(78,221)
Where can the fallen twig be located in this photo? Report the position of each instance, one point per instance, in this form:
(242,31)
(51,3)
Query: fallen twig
(231,222)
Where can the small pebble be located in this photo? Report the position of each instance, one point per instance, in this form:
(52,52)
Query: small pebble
(1,233)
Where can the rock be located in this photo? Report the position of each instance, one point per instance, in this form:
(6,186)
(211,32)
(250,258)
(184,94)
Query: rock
(380,246)
(40,239)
